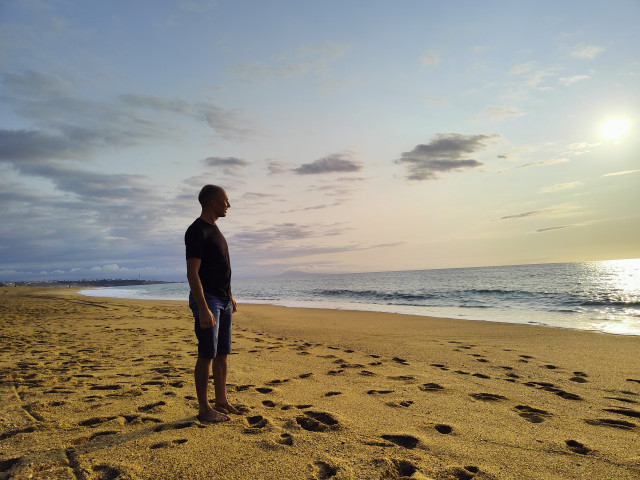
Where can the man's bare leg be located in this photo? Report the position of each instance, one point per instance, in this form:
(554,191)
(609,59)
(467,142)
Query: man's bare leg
(205,412)
(220,384)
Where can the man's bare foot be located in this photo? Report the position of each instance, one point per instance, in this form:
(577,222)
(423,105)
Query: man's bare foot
(212,416)
(227,408)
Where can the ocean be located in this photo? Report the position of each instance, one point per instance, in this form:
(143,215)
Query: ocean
(601,296)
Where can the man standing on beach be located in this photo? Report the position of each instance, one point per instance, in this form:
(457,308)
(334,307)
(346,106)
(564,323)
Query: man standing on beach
(211,301)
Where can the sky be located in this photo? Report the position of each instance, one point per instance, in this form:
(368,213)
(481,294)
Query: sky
(350,136)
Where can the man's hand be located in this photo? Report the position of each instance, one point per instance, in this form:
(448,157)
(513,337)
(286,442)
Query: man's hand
(206,318)
(235,305)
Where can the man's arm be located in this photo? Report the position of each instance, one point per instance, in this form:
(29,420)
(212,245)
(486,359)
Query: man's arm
(205,316)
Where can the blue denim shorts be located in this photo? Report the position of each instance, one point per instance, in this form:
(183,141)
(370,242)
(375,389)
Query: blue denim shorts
(216,340)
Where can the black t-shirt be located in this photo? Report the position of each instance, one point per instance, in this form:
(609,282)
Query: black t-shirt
(206,242)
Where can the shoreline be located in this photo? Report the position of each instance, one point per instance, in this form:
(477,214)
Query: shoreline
(100,387)
(373,310)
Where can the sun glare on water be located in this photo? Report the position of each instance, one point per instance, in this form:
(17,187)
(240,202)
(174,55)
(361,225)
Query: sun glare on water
(614,128)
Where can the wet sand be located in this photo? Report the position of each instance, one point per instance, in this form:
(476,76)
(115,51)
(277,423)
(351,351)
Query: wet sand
(95,388)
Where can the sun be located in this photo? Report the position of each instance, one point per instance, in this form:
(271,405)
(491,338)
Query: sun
(614,128)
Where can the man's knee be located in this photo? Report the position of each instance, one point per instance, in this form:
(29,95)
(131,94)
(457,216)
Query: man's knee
(220,360)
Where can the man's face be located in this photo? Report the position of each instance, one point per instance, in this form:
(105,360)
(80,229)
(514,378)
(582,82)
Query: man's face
(220,204)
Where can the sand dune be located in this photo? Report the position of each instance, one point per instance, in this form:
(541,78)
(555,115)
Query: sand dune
(98,388)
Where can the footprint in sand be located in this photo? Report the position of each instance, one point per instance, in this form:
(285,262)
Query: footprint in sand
(326,471)
(577,447)
(443,429)
(155,407)
(264,390)
(403,403)
(379,392)
(440,366)
(317,421)
(627,412)
(393,469)
(106,387)
(431,387)
(399,360)
(351,365)
(403,378)
(332,394)
(533,415)
(13,433)
(406,441)
(488,397)
(103,434)
(169,443)
(256,424)
(92,422)
(466,473)
(286,439)
(621,399)
(106,472)
(277,382)
(8,464)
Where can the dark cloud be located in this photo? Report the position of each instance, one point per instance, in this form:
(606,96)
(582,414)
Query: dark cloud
(229,124)
(334,163)
(526,214)
(290,240)
(553,228)
(18,146)
(228,165)
(68,126)
(275,168)
(443,154)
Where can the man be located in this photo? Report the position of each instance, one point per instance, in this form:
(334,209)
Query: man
(211,301)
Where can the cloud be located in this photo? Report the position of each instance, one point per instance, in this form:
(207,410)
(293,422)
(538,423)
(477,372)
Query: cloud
(532,76)
(553,228)
(278,239)
(521,68)
(20,146)
(588,52)
(430,59)
(443,154)
(498,113)
(291,240)
(67,126)
(553,161)
(334,163)
(527,214)
(229,124)
(625,172)
(275,167)
(229,165)
(568,81)
(561,186)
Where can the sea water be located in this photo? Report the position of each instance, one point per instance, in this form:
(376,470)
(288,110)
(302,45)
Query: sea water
(602,296)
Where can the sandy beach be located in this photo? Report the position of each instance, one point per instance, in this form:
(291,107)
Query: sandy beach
(97,388)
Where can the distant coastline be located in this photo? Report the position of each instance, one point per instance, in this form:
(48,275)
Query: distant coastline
(82,283)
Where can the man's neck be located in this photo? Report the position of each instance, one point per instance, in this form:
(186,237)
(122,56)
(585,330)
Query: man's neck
(208,218)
